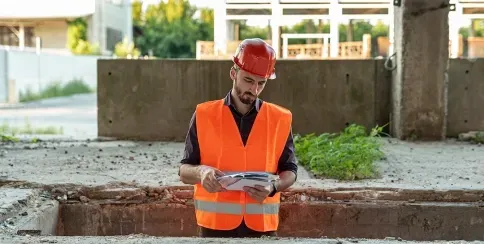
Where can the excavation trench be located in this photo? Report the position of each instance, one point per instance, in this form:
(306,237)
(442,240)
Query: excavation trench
(336,213)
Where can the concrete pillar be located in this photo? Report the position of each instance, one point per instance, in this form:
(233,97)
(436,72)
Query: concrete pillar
(419,86)
(102,34)
(285,44)
(95,24)
(21,37)
(455,19)
(391,29)
(4,76)
(230,30)
(12,96)
(335,12)
(275,24)
(220,28)
(129,20)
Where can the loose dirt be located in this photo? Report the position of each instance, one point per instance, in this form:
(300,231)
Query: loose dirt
(429,165)
(424,165)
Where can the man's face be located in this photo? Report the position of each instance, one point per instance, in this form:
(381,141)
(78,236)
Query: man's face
(247,86)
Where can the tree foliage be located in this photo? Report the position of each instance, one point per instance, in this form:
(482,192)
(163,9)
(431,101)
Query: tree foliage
(170,29)
(137,11)
(478,29)
(77,38)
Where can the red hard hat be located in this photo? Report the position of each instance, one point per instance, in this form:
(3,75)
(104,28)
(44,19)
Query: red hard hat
(256,57)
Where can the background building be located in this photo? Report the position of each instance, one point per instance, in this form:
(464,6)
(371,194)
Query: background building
(22,22)
(279,13)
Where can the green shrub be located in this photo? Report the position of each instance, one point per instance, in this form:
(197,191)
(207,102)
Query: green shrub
(55,89)
(349,155)
(8,132)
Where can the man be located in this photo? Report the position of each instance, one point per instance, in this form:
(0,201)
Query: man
(236,134)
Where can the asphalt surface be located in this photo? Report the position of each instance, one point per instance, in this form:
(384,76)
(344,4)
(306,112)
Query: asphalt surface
(77,115)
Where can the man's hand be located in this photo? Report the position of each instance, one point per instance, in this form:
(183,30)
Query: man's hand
(258,192)
(208,176)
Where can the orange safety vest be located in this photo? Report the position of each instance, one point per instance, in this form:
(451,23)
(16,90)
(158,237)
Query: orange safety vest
(221,147)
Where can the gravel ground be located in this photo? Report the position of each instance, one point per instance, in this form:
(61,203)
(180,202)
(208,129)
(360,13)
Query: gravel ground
(152,240)
(436,165)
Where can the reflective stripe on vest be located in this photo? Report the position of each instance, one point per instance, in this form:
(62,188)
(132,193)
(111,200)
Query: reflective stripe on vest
(234,208)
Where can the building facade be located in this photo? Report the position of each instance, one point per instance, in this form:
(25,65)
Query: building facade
(23,23)
(276,12)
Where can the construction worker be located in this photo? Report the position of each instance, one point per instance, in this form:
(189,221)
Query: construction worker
(240,133)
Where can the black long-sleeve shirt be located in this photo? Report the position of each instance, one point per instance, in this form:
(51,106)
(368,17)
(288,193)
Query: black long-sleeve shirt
(287,161)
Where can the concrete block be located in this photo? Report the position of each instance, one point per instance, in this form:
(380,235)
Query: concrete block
(43,219)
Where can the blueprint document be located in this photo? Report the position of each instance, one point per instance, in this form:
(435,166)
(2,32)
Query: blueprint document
(237,181)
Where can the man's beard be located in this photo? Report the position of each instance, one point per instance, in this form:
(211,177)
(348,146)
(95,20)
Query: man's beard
(245,100)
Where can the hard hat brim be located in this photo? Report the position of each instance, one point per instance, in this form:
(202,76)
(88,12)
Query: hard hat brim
(272,76)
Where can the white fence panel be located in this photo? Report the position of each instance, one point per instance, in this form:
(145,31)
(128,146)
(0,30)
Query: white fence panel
(34,71)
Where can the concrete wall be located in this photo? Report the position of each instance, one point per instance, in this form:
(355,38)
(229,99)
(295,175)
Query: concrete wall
(29,70)
(351,213)
(3,76)
(466,99)
(154,99)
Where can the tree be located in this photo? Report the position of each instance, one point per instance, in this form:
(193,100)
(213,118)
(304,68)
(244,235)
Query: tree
(170,29)
(379,29)
(246,31)
(305,26)
(206,24)
(137,12)
(77,38)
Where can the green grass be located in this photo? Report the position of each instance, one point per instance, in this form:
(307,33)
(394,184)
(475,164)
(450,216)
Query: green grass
(8,132)
(7,138)
(478,139)
(349,155)
(56,89)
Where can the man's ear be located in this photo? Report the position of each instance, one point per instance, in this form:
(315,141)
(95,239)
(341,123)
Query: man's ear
(233,74)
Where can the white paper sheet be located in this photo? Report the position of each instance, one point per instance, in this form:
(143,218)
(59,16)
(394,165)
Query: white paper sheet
(237,181)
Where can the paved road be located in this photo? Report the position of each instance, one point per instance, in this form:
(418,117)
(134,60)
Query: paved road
(76,114)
